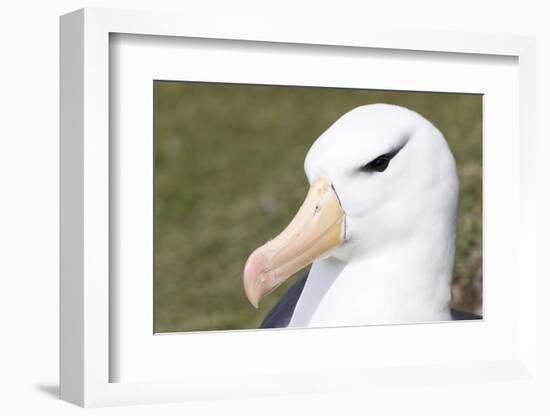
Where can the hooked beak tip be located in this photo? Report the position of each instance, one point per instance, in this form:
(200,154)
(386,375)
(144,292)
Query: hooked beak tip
(255,265)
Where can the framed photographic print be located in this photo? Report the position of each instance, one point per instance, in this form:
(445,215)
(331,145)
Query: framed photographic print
(270,213)
(228,162)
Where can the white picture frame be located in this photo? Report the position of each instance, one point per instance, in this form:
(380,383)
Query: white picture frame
(89,309)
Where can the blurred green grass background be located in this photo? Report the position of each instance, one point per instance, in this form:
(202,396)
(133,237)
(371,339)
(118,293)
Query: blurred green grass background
(229,175)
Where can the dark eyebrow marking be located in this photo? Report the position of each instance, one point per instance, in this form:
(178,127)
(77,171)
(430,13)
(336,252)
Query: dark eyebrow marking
(386,156)
(392,153)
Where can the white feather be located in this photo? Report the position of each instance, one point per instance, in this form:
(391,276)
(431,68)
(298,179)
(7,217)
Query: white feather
(396,264)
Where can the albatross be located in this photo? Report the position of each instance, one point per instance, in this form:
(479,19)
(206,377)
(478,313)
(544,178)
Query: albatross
(378,227)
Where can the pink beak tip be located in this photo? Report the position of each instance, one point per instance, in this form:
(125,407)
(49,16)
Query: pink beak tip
(254,266)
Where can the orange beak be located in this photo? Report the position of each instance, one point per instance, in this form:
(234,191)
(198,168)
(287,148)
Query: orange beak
(318,226)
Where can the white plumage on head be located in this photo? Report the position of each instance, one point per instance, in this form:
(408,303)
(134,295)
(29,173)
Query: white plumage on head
(396,262)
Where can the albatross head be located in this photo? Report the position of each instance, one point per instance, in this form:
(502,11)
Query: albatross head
(380,176)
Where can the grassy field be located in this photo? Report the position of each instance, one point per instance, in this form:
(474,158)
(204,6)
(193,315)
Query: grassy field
(229,175)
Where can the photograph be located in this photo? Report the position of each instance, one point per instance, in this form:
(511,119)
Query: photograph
(290,208)
(295,207)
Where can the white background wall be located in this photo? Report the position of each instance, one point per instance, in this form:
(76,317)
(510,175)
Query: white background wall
(29,193)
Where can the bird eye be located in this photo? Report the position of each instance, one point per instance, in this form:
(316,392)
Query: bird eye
(379,164)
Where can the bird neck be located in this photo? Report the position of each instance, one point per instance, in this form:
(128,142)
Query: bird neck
(405,282)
